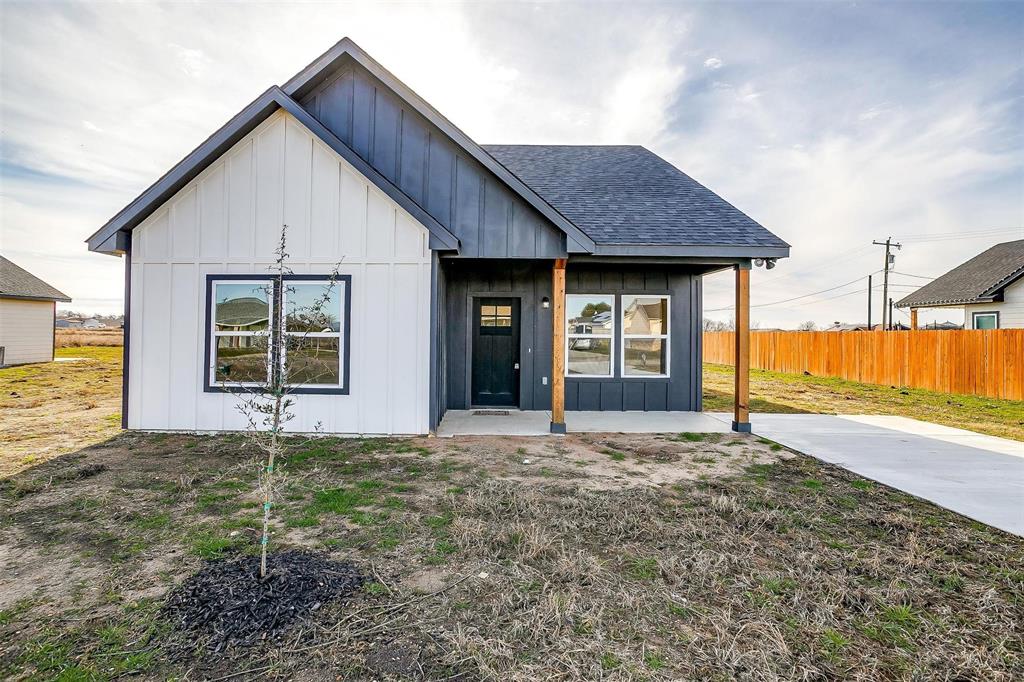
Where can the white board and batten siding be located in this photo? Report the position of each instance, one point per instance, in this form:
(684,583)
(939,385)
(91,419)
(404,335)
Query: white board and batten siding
(26,330)
(228,221)
(1010,309)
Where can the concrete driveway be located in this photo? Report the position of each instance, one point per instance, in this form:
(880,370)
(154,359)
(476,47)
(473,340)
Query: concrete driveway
(981,477)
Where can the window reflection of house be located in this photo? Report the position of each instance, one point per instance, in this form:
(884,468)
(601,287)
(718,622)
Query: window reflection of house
(645,317)
(245,314)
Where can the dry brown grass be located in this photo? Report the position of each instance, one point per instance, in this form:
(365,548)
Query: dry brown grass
(68,338)
(52,408)
(760,565)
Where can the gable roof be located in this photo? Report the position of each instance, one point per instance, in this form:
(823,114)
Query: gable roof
(321,67)
(614,201)
(106,239)
(629,196)
(980,280)
(17,282)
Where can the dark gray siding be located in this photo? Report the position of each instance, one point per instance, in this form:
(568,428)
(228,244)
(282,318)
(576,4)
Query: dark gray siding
(682,389)
(531,282)
(488,218)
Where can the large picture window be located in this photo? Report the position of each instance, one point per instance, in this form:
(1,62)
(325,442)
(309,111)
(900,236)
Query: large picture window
(645,336)
(312,317)
(590,324)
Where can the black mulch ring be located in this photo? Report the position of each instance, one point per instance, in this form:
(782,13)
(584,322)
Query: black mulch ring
(228,603)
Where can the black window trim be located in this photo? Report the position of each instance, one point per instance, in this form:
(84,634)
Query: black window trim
(974,318)
(345,351)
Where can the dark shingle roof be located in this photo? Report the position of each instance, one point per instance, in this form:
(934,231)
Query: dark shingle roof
(629,195)
(17,282)
(978,280)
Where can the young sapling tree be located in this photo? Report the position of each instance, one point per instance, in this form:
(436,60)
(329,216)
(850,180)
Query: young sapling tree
(297,345)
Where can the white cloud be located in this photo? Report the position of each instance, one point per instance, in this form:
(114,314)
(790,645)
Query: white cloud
(191,61)
(830,146)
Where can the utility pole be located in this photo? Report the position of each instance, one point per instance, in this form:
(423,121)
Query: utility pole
(869,304)
(889,260)
(890,314)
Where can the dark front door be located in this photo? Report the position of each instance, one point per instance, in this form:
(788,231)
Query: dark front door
(496,352)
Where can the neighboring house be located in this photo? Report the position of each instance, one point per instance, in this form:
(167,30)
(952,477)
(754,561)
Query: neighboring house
(93,323)
(470,276)
(28,308)
(989,288)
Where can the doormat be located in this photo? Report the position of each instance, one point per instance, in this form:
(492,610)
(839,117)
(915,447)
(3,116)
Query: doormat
(490,413)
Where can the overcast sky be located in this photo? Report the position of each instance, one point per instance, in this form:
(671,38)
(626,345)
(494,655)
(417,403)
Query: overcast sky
(831,124)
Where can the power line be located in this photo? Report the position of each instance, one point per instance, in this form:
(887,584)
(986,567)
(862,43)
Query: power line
(963,233)
(907,274)
(795,298)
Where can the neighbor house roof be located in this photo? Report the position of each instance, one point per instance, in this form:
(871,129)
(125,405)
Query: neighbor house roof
(17,282)
(979,280)
(626,195)
(242,312)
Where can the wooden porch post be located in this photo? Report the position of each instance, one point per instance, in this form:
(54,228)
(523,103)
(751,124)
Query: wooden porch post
(741,407)
(558,347)
(913,318)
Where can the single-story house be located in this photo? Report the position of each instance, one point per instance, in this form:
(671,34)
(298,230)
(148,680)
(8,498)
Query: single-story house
(508,276)
(68,323)
(28,308)
(92,323)
(989,288)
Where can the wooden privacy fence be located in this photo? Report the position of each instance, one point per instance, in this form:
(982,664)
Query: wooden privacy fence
(975,362)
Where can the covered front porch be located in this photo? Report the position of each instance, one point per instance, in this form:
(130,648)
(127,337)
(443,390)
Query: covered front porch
(535,347)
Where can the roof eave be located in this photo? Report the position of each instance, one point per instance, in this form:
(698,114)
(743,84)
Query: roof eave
(62,298)
(691,250)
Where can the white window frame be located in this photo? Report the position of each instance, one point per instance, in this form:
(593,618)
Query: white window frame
(339,287)
(610,336)
(215,334)
(666,338)
(988,313)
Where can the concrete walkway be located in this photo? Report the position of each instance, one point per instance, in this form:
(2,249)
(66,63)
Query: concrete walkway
(981,477)
(499,422)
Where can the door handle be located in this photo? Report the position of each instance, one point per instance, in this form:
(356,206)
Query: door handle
(515,366)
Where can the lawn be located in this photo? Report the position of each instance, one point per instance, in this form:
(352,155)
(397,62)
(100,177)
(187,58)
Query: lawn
(599,556)
(53,408)
(778,392)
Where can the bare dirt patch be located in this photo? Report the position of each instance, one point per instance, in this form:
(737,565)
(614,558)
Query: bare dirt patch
(608,556)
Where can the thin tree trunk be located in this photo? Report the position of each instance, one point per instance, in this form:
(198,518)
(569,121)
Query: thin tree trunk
(267,484)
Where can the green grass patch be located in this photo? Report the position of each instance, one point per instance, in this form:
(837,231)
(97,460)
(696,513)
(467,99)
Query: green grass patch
(641,568)
(614,454)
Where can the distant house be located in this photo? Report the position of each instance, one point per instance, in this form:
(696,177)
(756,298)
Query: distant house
(93,323)
(28,308)
(989,288)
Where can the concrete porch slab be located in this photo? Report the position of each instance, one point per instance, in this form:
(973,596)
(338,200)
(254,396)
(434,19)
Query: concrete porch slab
(643,422)
(537,423)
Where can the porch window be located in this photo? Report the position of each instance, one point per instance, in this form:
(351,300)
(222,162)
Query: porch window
(645,336)
(590,322)
(312,317)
